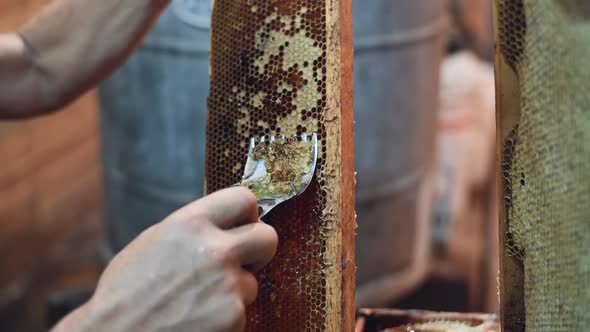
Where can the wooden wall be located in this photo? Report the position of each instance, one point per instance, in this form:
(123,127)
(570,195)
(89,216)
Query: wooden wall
(50,200)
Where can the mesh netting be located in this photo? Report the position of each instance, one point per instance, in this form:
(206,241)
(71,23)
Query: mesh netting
(269,76)
(547,158)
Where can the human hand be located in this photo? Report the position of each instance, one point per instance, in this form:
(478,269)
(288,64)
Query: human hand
(192,272)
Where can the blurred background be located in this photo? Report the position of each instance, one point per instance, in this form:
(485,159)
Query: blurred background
(78,185)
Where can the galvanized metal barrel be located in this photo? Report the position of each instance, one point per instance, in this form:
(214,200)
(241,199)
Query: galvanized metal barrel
(153,114)
(398,49)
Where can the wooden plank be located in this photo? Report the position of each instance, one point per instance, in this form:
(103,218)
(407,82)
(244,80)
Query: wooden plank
(348,182)
(340,139)
(511,276)
(28,148)
(17,214)
(285,67)
(28,151)
(375,320)
(63,186)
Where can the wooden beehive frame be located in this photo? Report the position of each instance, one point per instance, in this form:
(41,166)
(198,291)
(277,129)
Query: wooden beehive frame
(511,274)
(336,173)
(340,134)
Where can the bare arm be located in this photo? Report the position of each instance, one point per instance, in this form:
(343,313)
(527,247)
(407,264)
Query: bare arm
(67,49)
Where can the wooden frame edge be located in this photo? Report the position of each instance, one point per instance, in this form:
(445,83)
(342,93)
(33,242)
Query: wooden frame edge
(511,274)
(339,125)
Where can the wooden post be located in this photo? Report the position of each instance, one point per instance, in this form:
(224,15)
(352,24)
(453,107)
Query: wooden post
(285,67)
(511,277)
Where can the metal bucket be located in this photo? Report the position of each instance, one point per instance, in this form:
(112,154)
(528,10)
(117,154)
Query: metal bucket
(153,114)
(398,49)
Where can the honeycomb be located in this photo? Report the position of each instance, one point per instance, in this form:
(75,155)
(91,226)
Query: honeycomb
(286,162)
(507,159)
(546,158)
(512,30)
(271,75)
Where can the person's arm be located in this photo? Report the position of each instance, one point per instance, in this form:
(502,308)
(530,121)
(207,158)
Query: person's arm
(67,49)
(192,272)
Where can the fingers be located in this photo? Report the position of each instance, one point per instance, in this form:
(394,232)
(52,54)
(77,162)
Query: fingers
(254,245)
(247,286)
(227,208)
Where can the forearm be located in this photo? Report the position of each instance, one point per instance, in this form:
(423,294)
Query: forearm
(95,317)
(72,45)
